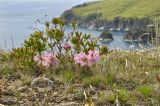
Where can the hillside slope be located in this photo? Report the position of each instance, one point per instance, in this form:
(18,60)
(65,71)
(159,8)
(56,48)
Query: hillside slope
(124,8)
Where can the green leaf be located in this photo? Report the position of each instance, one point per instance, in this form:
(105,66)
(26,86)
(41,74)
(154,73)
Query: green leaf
(47,24)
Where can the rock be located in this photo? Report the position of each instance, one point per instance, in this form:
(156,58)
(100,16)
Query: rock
(21,102)
(133,35)
(14,77)
(22,89)
(139,35)
(106,36)
(1,105)
(68,104)
(55,94)
(9,101)
(41,82)
(31,97)
(8,93)
(44,90)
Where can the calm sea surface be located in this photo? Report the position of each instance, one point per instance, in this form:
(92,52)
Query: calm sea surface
(18,17)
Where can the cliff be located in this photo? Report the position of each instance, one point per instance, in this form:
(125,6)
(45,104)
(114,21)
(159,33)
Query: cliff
(107,14)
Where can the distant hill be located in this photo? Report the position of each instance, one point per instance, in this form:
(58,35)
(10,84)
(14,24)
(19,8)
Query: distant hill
(124,8)
(114,14)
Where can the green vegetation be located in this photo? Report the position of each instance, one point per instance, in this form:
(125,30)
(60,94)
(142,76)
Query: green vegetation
(124,8)
(118,77)
(145,90)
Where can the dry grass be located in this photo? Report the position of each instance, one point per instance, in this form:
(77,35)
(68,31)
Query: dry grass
(133,76)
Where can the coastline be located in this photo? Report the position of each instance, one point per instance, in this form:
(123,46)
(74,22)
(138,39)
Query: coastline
(86,16)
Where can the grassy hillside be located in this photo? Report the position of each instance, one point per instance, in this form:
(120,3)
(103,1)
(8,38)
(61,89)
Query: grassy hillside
(125,8)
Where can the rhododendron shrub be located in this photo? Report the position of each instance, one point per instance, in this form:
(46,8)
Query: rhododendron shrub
(68,51)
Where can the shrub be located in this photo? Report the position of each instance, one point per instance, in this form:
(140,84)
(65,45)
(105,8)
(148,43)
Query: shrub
(51,46)
(23,57)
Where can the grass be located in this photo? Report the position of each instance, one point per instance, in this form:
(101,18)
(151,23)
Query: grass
(124,8)
(130,75)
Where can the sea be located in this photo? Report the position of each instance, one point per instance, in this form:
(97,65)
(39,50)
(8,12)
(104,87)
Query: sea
(19,18)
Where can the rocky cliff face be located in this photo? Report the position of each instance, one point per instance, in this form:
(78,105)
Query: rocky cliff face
(95,21)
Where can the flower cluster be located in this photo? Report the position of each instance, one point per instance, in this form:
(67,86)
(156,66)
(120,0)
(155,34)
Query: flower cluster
(87,60)
(46,59)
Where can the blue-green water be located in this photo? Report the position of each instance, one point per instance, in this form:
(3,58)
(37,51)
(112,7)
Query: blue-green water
(117,43)
(18,17)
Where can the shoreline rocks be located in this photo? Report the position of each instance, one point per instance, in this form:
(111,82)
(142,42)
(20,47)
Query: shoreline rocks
(95,21)
(106,36)
(136,35)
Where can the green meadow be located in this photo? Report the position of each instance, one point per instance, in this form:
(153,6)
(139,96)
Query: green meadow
(124,8)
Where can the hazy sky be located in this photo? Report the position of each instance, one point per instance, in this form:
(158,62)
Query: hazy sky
(43,0)
(16,16)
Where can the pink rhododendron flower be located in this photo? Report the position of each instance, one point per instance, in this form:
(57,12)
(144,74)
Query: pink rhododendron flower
(67,47)
(93,57)
(46,59)
(81,59)
(87,60)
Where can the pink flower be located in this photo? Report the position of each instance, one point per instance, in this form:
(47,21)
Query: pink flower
(46,59)
(67,47)
(81,59)
(87,60)
(93,57)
